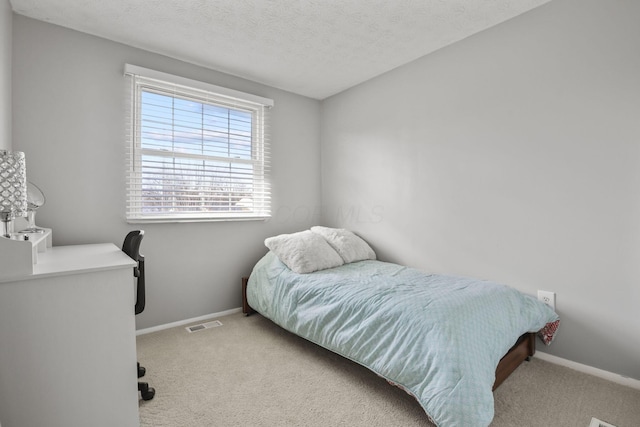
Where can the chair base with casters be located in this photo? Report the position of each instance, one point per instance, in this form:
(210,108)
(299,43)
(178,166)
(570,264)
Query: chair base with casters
(131,247)
(146,392)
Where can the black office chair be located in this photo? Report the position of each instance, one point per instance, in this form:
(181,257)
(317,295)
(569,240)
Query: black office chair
(131,247)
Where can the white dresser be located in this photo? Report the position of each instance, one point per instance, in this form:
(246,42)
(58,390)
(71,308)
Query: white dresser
(67,340)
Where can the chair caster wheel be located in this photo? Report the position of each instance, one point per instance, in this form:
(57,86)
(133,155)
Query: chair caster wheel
(148,394)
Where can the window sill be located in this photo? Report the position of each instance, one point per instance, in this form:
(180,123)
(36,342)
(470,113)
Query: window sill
(169,220)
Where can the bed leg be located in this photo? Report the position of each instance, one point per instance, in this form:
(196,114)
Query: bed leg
(531,346)
(246,308)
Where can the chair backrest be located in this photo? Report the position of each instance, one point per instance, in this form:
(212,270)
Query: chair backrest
(131,246)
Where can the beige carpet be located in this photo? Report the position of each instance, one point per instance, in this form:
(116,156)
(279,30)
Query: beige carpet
(250,372)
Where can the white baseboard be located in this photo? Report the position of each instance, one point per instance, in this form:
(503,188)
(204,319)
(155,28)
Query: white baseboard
(610,376)
(188,321)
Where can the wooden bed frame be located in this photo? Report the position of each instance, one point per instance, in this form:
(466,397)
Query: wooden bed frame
(522,350)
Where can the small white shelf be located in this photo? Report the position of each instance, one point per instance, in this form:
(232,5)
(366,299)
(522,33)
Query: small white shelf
(18,256)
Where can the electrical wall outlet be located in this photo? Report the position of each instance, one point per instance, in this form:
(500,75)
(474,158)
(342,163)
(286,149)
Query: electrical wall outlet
(548,298)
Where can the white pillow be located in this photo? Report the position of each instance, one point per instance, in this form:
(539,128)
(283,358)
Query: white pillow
(350,247)
(303,252)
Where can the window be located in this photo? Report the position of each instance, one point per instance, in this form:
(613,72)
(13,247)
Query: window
(197,152)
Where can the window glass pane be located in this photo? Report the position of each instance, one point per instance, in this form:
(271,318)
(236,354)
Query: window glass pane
(185,126)
(156,128)
(178,185)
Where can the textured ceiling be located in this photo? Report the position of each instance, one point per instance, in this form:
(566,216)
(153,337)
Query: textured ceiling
(315,48)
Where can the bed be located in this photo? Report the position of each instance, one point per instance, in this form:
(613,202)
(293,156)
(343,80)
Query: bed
(448,341)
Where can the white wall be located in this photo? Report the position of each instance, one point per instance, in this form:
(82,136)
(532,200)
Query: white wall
(5,74)
(69,118)
(513,155)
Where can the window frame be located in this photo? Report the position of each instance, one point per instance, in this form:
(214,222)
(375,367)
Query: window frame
(146,80)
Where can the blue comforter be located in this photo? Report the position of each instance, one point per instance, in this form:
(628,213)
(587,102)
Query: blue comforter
(438,337)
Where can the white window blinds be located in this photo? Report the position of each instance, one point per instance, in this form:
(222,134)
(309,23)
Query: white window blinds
(197,152)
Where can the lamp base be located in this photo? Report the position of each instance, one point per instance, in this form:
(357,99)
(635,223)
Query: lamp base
(32,228)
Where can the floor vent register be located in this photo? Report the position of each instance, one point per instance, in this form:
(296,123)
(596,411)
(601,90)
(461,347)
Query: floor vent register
(599,423)
(208,325)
